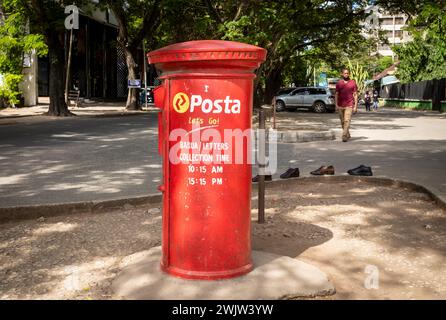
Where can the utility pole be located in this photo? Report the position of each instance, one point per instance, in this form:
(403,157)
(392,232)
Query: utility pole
(145,72)
(393,54)
(67,79)
(314,76)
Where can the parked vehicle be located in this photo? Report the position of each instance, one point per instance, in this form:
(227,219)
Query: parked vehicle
(318,99)
(284,91)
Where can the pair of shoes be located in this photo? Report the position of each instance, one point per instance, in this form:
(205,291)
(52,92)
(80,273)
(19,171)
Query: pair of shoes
(362,170)
(268,177)
(290,173)
(323,171)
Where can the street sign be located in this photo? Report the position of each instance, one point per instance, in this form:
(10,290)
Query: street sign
(134,83)
(323,80)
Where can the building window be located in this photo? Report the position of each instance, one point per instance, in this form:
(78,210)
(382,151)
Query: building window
(389,21)
(399,20)
(398,34)
(386,21)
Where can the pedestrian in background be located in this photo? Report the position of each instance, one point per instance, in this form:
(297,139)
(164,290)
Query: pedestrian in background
(346,100)
(367,100)
(375,100)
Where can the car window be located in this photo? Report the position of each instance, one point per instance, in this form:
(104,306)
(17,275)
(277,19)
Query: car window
(302,91)
(284,91)
(315,91)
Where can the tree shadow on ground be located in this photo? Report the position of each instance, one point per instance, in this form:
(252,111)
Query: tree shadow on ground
(340,228)
(79,159)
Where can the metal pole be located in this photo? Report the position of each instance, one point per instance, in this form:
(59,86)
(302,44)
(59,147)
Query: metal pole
(314,76)
(261,148)
(274,113)
(393,33)
(145,72)
(67,78)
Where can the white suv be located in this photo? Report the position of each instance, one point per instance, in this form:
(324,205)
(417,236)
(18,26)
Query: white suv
(318,99)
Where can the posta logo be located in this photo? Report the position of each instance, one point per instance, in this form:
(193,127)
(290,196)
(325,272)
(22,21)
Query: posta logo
(181,103)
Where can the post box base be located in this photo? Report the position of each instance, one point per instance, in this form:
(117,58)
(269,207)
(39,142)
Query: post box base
(273,277)
(200,275)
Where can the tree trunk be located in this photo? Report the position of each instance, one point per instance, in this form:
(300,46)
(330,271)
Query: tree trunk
(273,82)
(132,96)
(56,57)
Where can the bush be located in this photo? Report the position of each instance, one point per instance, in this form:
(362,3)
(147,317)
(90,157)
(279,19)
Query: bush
(9,89)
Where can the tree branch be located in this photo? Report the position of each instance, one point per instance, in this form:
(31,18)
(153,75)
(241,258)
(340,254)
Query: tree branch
(239,10)
(119,13)
(212,11)
(150,21)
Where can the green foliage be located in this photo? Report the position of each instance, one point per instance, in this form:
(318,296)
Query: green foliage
(359,74)
(9,92)
(15,42)
(424,58)
(384,63)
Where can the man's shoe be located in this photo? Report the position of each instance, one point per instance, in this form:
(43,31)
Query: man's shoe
(362,170)
(346,138)
(323,171)
(290,173)
(268,177)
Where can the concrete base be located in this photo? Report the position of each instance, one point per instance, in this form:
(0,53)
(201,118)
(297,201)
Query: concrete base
(273,277)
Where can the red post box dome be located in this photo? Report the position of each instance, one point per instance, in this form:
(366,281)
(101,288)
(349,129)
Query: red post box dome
(207,54)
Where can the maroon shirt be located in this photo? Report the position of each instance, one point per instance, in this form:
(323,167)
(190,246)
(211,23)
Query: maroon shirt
(345,92)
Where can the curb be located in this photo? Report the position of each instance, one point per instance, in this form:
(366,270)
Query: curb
(305,136)
(433,194)
(58,209)
(100,115)
(11,214)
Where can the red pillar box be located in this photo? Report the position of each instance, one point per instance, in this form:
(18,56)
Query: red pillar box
(204,135)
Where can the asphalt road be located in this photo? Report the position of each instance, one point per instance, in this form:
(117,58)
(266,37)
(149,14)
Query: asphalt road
(82,159)
(78,159)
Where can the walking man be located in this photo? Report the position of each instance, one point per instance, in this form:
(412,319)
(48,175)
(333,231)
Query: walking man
(346,100)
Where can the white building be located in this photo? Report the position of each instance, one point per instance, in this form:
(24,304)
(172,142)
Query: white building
(392,25)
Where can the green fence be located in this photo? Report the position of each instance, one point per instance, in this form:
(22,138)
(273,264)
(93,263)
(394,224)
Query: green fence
(422,95)
(409,104)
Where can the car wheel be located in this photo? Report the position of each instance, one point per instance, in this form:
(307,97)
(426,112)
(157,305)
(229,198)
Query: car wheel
(280,106)
(319,107)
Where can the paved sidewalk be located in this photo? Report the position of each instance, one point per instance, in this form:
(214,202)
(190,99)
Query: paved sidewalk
(90,109)
(400,144)
(83,158)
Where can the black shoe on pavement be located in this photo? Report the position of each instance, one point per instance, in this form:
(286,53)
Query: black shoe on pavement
(268,177)
(290,173)
(362,170)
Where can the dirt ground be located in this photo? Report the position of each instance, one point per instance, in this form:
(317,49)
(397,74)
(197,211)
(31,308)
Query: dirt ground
(373,243)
